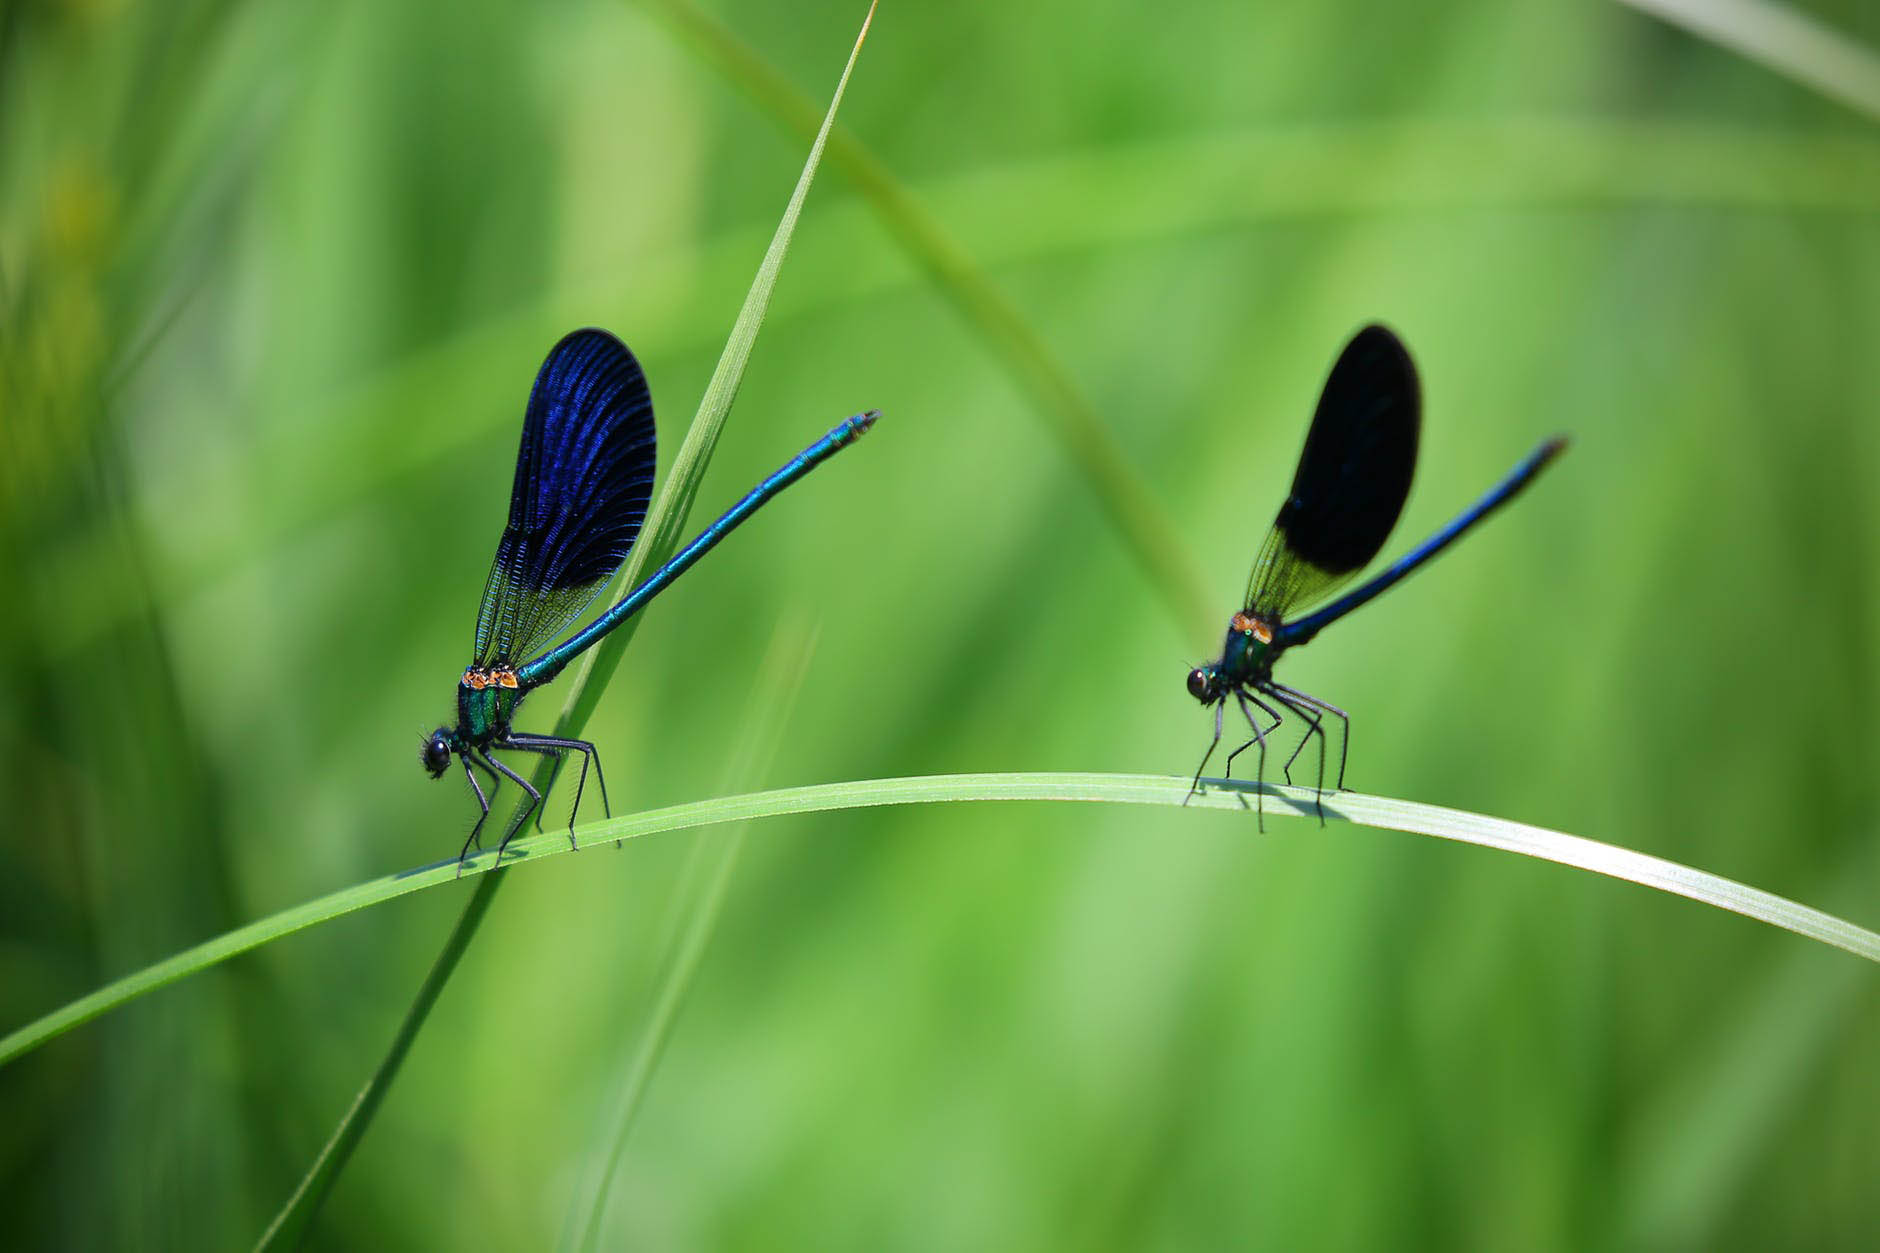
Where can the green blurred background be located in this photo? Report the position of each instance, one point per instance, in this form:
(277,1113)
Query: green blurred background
(276,279)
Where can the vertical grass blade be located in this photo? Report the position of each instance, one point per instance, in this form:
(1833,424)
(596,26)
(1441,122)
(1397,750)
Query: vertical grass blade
(657,541)
(291,1223)
(661,535)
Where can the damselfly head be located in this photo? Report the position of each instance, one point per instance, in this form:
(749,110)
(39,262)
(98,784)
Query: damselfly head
(1204,684)
(435,755)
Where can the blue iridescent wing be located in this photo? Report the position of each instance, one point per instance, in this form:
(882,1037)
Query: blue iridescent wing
(1352,481)
(584,475)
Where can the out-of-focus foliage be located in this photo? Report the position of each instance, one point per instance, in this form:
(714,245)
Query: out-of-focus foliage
(273,282)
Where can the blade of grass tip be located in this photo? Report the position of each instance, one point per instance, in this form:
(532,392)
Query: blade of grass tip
(688,467)
(1783,40)
(658,540)
(708,874)
(1127,789)
(1164,558)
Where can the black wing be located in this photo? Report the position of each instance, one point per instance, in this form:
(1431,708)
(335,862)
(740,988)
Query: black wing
(584,475)
(1353,478)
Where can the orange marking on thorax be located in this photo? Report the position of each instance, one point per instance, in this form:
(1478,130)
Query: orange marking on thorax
(476,680)
(1247,624)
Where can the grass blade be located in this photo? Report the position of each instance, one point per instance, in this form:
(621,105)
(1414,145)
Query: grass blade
(1784,40)
(688,468)
(1130,789)
(658,540)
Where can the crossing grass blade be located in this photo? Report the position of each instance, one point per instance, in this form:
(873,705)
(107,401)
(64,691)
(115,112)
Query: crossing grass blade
(1351,808)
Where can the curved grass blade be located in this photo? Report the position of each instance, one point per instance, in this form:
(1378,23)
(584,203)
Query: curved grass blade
(1128,789)
(659,538)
